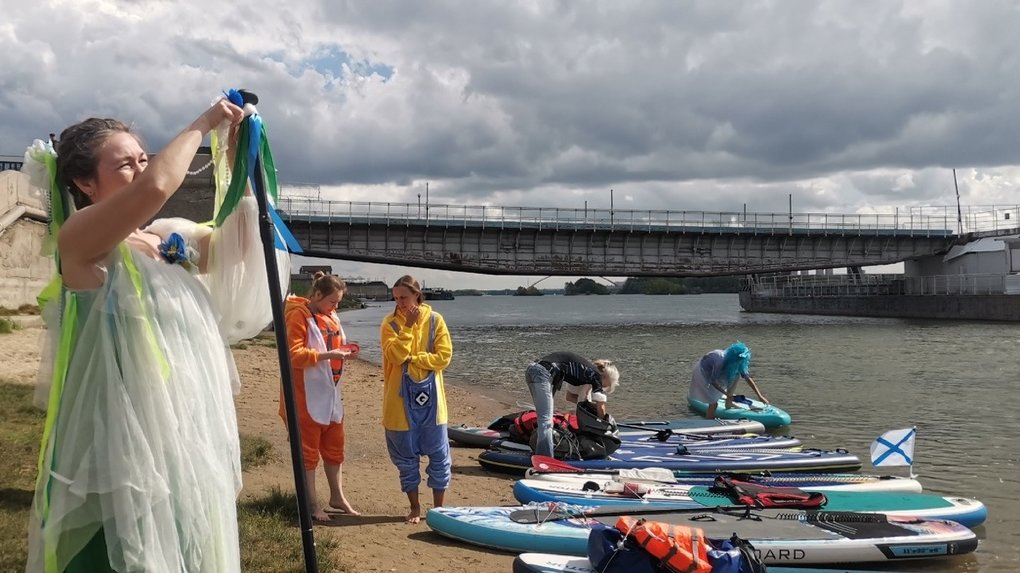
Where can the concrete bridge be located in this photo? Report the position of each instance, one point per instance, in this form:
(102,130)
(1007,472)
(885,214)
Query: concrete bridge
(553,241)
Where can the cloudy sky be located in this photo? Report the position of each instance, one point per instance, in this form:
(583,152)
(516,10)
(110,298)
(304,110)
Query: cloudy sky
(850,106)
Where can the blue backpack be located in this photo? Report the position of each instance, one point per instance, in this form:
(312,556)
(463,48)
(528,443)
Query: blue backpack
(610,552)
(734,555)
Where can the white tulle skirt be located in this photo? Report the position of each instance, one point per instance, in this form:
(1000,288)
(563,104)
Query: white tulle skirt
(144,451)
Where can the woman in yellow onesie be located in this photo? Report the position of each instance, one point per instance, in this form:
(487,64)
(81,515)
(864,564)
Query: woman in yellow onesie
(318,348)
(416,347)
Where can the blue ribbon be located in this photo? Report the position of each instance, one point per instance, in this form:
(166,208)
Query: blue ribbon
(282,232)
(254,141)
(234,97)
(283,239)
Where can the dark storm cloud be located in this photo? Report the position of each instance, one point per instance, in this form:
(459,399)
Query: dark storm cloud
(673,105)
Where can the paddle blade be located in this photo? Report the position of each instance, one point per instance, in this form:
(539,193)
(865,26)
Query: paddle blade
(545,464)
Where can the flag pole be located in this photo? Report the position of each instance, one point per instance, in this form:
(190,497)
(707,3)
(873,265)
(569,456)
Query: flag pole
(911,465)
(266,232)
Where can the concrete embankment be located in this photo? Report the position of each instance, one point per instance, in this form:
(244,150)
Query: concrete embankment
(24,270)
(1001,307)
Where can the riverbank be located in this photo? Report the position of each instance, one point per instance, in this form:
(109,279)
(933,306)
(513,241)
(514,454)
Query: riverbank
(379,540)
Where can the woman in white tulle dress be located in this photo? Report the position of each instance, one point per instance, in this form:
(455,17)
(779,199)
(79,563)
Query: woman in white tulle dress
(140,467)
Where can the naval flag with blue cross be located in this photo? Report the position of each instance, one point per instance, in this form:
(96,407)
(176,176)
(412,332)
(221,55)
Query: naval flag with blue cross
(894,448)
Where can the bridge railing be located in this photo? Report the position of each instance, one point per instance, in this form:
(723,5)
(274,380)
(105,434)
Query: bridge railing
(917,221)
(984,218)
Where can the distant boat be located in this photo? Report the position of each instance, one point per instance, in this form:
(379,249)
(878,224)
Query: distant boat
(437,294)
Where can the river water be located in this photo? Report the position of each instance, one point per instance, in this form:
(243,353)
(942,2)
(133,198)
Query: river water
(844,380)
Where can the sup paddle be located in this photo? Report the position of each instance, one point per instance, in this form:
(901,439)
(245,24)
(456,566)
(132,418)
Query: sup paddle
(262,173)
(663,434)
(559,512)
(546,465)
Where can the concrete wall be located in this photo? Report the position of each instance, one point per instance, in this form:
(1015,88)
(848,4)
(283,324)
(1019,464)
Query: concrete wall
(982,262)
(956,307)
(194,200)
(24,271)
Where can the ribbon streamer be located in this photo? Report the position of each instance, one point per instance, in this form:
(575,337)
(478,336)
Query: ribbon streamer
(252,138)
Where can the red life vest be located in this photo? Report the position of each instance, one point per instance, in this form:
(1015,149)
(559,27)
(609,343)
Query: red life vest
(525,423)
(680,549)
(333,336)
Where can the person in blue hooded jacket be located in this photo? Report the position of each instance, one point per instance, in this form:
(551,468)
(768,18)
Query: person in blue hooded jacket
(716,375)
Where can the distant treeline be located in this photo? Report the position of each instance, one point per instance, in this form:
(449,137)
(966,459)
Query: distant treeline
(657,285)
(584,286)
(530,291)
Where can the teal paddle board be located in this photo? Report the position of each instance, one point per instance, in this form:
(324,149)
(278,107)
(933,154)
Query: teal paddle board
(743,407)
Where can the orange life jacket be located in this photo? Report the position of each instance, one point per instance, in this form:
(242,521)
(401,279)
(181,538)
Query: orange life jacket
(333,336)
(679,548)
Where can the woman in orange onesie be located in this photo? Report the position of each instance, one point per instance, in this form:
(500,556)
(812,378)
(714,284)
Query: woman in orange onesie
(318,348)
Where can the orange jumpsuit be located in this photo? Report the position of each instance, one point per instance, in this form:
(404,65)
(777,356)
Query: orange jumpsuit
(316,383)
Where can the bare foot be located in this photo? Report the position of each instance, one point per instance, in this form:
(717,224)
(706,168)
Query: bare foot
(321,517)
(414,516)
(342,507)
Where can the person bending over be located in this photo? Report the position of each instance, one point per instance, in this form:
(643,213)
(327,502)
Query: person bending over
(592,379)
(716,375)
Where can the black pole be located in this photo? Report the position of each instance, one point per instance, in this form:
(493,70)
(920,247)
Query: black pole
(959,213)
(280,329)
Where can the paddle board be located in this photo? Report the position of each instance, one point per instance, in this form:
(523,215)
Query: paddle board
(743,407)
(640,497)
(780,537)
(550,563)
(711,442)
(693,461)
(812,481)
(474,436)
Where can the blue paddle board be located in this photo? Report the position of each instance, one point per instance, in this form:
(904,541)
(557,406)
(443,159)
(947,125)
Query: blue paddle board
(478,437)
(780,537)
(695,460)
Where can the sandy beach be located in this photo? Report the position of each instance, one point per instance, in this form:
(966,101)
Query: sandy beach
(379,540)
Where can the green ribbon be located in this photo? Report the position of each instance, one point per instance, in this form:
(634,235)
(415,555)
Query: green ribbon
(150,334)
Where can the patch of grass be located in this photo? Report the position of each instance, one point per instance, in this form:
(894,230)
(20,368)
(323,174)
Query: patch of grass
(254,451)
(265,338)
(28,309)
(8,325)
(20,429)
(271,539)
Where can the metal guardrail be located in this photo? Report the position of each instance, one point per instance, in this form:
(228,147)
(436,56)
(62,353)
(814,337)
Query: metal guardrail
(915,221)
(794,286)
(11,162)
